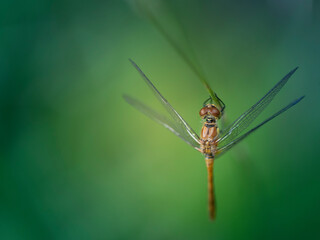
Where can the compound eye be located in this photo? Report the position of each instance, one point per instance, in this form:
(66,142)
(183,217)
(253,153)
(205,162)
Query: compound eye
(214,111)
(203,111)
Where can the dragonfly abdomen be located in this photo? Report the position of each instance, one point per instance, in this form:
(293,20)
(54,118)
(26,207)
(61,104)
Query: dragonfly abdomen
(211,195)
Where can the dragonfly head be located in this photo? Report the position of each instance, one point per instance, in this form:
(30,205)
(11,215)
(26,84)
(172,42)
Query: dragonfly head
(210,112)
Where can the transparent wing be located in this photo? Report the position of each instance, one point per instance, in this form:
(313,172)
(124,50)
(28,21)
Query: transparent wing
(177,124)
(252,113)
(221,150)
(162,120)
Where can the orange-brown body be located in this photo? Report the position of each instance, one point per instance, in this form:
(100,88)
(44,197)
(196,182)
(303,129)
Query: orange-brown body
(208,145)
(209,134)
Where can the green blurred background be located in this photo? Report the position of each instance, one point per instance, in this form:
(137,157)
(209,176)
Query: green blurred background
(77,162)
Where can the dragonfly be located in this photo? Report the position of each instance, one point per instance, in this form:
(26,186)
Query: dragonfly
(212,142)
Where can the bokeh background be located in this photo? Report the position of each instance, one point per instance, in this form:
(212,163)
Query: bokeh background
(77,162)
